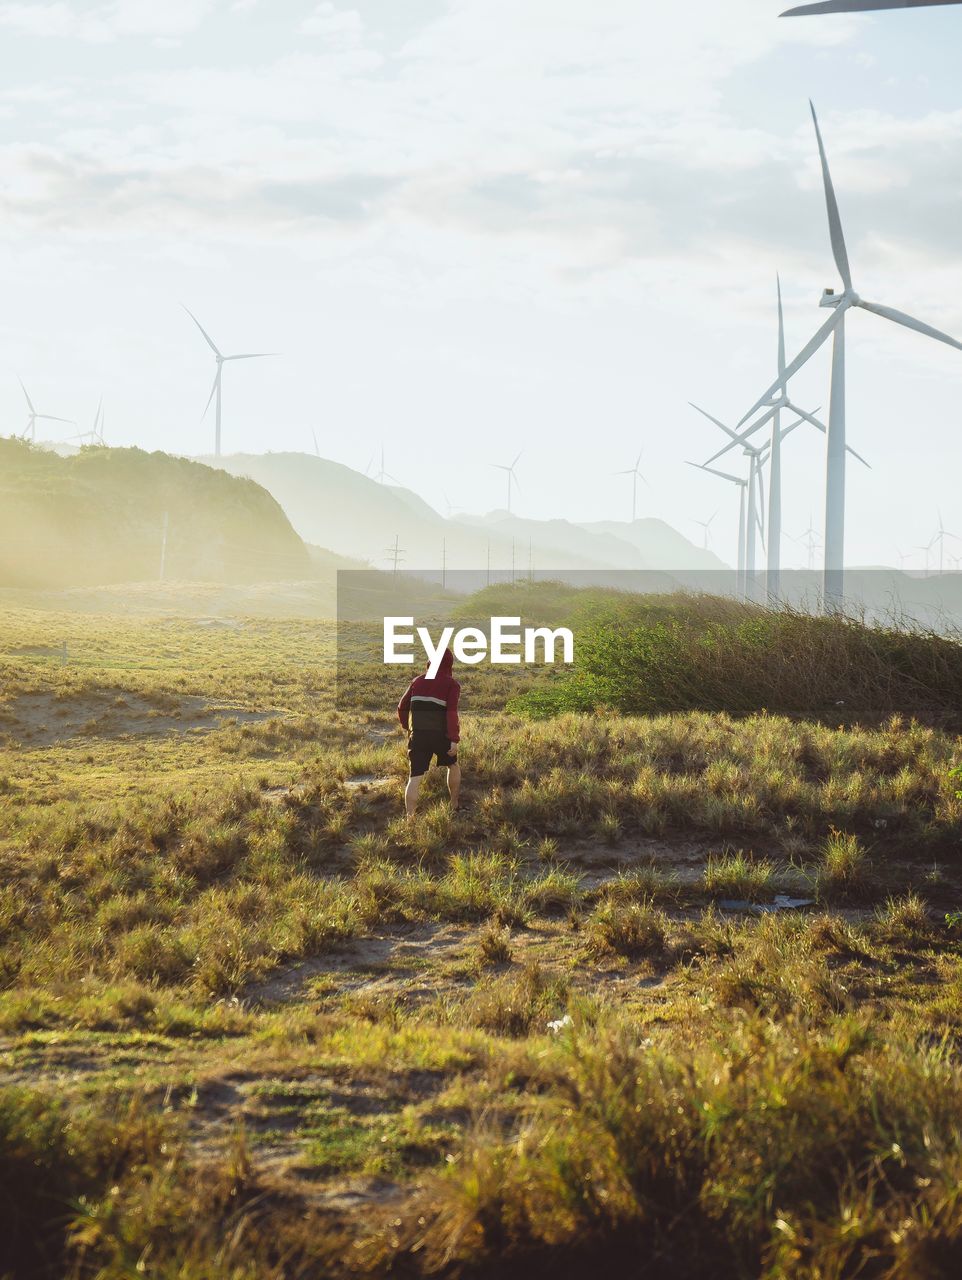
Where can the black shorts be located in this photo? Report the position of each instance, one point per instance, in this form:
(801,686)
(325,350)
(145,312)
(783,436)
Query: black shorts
(422,749)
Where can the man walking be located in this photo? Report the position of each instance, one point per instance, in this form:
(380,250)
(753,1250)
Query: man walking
(429,709)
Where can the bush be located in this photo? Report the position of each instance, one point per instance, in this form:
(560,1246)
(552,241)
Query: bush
(635,658)
(627,929)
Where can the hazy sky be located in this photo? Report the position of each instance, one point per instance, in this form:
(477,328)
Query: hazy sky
(472,226)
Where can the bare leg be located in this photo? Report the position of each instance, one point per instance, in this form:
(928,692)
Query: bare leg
(411,793)
(454,784)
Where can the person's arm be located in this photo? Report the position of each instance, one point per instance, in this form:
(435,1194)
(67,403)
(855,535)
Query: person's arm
(404,707)
(454,724)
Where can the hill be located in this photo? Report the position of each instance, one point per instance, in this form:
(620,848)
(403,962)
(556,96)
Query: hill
(337,507)
(98,517)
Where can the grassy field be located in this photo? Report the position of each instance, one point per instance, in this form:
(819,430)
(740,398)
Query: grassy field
(253,1025)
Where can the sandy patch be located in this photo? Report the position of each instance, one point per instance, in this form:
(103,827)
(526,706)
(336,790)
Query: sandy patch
(43,718)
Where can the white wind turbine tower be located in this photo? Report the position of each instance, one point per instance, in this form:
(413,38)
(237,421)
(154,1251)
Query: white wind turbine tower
(840,304)
(215,391)
(636,475)
(742,519)
(33,417)
(512,478)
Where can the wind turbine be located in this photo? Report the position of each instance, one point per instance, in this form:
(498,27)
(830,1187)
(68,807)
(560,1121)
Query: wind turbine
(636,475)
(940,538)
(840,304)
(810,540)
(926,547)
(96,434)
(221,359)
(33,417)
(317,452)
(742,519)
(776,405)
(383,475)
(705,526)
(755,521)
(511,476)
(860,6)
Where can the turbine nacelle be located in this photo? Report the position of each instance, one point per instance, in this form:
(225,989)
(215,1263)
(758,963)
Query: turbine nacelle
(833,299)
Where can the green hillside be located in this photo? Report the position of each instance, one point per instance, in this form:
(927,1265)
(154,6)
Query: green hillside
(98,517)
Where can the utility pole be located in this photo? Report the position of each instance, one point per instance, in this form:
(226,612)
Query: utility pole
(163,546)
(396,553)
(444,562)
(512,560)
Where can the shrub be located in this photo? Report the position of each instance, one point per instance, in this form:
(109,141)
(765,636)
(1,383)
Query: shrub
(710,655)
(627,929)
(843,871)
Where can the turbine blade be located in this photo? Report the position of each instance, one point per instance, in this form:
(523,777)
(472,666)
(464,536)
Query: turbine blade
(743,438)
(849,449)
(834,217)
(207,338)
(705,414)
(899,317)
(29,401)
(859,6)
(715,472)
(807,417)
(515,463)
(251,355)
(781,333)
(801,359)
(213,388)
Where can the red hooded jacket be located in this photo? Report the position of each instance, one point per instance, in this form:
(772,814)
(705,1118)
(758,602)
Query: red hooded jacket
(431,706)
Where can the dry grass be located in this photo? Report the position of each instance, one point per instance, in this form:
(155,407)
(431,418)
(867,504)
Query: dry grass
(523,1040)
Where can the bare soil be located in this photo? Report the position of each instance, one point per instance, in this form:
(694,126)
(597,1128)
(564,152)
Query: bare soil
(42,718)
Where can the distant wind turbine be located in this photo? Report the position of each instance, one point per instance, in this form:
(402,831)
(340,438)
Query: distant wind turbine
(96,433)
(33,417)
(840,304)
(940,538)
(317,451)
(636,475)
(221,359)
(705,526)
(512,478)
(383,475)
(742,519)
(810,541)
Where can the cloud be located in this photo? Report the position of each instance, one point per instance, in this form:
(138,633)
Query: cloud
(105,22)
(343,27)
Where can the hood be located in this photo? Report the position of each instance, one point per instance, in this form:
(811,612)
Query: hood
(447,662)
